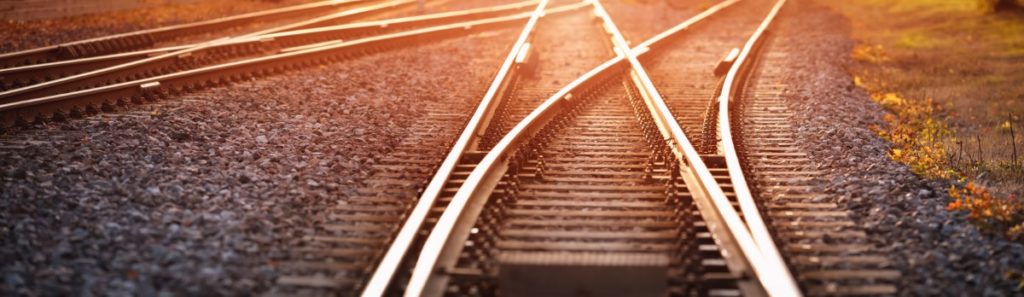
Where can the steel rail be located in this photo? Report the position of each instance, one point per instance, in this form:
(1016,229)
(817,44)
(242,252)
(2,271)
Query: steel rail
(400,246)
(438,254)
(871,279)
(439,18)
(13,75)
(176,82)
(741,252)
(444,243)
(326,18)
(136,39)
(118,71)
(769,268)
(734,79)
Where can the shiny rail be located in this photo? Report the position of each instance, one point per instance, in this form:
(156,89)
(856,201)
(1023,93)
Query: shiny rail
(400,246)
(32,74)
(752,215)
(145,38)
(824,246)
(770,269)
(140,67)
(28,110)
(445,241)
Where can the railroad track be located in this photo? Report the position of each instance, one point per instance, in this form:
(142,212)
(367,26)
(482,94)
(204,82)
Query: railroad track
(594,201)
(539,64)
(31,81)
(827,251)
(262,42)
(688,72)
(624,182)
(24,76)
(49,100)
(46,79)
(385,201)
(584,196)
(147,38)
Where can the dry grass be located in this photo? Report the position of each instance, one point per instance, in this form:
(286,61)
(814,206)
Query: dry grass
(950,73)
(969,62)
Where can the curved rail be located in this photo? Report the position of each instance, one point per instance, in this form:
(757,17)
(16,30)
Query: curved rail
(730,86)
(774,278)
(399,248)
(444,243)
(136,39)
(38,72)
(459,217)
(737,91)
(769,268)
(175,82)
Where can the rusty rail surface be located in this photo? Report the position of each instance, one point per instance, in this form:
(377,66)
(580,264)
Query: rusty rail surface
(145,38)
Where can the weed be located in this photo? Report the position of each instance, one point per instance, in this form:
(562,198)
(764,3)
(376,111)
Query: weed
(1004,215)
(873,54)
(918,130)
(967,59)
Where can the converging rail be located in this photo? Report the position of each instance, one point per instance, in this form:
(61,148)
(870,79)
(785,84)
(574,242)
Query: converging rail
(81,101)
(659,172)
(751,213)
(346,252)
(823,245)
(173,60)
(401,246)
(196,55)
(498,194)
(146,38)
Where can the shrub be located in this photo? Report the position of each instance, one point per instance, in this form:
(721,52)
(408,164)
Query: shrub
(1003,215)
(917,130)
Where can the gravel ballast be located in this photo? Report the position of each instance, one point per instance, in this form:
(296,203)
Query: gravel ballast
(198,194)
(939,252)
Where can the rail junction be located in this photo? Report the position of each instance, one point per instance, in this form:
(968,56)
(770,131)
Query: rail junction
(662,167)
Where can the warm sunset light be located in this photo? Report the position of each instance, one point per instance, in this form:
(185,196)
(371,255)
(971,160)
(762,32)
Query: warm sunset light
(512,148)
